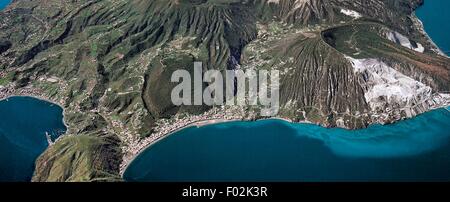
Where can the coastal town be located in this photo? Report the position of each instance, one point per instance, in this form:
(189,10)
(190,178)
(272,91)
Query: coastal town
(10,89)
(108,65)
(133,145)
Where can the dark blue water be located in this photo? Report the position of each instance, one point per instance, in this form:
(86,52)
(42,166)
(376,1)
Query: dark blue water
(23,123)
(4,3)
(272,150)
(435,16)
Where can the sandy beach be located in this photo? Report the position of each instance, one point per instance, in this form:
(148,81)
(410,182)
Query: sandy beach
(197,124)
(201,123)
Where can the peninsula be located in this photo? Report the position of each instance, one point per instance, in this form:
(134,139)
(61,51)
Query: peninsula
(343,63)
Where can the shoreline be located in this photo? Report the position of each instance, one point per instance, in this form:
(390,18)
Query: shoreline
(202,123)
(421,28)
(139,146)
(45,99)
(197,124)
(211,122)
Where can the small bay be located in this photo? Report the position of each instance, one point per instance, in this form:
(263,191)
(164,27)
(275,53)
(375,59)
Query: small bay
(24,122)
(417,149)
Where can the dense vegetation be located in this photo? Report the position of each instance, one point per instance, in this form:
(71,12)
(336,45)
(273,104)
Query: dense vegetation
(114,58)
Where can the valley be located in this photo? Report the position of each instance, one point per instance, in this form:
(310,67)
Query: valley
(109,62)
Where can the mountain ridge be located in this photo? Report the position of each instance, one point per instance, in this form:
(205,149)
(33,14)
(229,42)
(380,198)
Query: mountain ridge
(112,62)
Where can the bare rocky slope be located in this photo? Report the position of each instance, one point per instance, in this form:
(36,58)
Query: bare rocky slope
(344,63)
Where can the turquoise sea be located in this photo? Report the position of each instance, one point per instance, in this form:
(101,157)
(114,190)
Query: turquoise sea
(413,150)
(23,124)
(272,150)
(4,3)
(435,16)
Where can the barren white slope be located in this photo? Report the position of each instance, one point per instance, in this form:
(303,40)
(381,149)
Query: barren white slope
(388,87)
(404,41)
(351,13)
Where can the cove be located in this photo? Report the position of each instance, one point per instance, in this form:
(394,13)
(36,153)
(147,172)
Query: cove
(435,18)
(4,3)
(417,149)
(24,122)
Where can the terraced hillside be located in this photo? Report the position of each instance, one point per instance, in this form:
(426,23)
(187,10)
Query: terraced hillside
(109,62)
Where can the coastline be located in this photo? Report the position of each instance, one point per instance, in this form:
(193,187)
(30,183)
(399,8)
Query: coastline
(198,124)
(421,28)
(202,123)
(432,48)
(5,97)
(146,143)
(133,147)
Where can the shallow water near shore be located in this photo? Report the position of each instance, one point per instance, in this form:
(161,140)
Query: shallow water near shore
(435,16)
(23,124)
(417,149)
(272,150)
